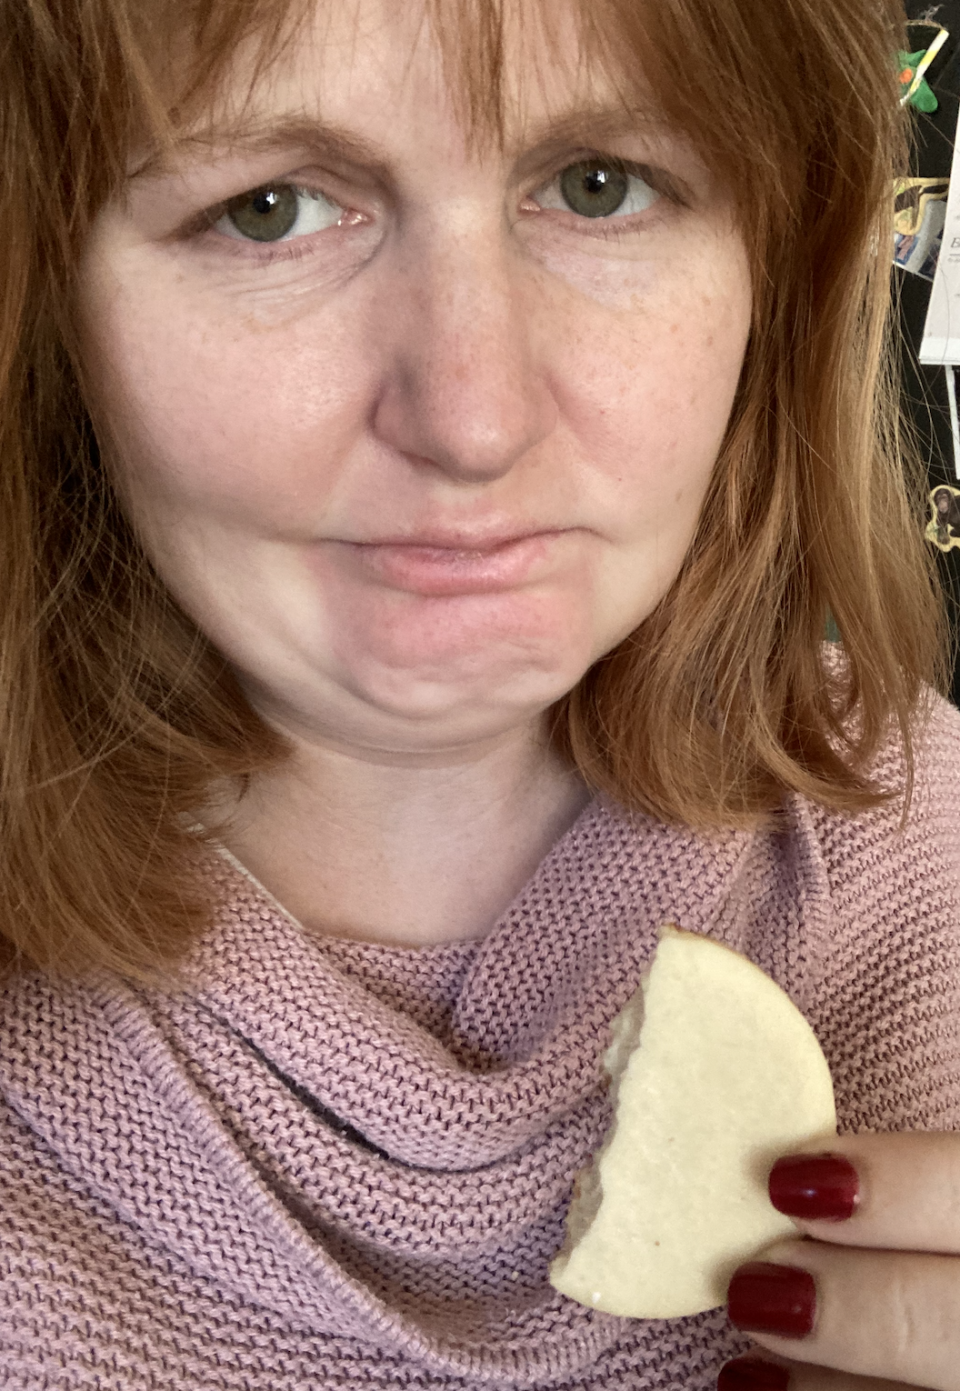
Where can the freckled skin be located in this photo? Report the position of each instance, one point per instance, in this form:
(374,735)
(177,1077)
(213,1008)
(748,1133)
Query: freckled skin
(457,359)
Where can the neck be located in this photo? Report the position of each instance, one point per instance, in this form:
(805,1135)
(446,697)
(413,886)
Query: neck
(408,852)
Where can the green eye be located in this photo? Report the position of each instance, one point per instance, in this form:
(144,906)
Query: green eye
(599,188)
(591,189)
(265,214)
(277,212)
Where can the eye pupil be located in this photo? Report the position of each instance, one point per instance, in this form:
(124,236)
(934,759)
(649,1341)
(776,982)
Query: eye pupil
(265,214)
(594,190)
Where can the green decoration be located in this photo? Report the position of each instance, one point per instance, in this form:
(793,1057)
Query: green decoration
(923,98)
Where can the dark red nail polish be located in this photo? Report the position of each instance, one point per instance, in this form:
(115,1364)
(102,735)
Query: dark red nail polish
(778,1299)
(750,1374)
(817,1187)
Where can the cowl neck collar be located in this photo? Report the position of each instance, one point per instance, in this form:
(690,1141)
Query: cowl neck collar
(369,1146)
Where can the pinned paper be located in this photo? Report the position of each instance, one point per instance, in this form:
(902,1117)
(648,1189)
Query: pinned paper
(920,212)
(941,334)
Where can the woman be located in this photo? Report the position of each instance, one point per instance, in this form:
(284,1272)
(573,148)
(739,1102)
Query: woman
(433,440)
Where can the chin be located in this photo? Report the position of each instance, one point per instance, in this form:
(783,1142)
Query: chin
(435,713)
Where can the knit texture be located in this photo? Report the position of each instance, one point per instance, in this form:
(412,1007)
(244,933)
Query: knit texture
(341,1165)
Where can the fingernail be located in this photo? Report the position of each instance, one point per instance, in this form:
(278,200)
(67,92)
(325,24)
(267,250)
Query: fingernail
(778,1299)
(749,1374)
(818,1187)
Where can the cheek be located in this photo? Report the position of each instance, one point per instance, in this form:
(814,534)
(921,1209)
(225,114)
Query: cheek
(649,395)
(229,417)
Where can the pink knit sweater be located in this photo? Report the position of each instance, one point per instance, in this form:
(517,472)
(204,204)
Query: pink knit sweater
(344,1165)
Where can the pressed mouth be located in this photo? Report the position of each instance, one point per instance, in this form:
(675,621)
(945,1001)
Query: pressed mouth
(450,566)
(465,545)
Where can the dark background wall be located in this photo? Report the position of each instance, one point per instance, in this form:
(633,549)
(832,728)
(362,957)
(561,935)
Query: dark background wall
(925,387)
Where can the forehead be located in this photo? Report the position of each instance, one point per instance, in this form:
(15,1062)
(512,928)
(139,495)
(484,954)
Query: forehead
(503,73)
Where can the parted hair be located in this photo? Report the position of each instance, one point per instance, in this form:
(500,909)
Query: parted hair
(118,717)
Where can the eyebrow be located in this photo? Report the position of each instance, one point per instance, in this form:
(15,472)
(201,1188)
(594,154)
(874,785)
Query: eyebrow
(261,136)
(586,125)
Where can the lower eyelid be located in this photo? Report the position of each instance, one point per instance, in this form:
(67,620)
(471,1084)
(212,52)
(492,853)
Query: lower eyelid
(252,254)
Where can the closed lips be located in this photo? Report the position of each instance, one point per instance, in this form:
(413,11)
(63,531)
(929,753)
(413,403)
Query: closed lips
(428,568)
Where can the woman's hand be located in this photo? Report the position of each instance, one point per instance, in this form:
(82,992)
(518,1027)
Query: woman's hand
(872,1302)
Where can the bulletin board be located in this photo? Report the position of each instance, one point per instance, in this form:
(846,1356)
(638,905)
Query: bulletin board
(925,387)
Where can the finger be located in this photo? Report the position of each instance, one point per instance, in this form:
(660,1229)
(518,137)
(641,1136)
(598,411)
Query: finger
(885,1314)
(754,1373)
(902,1191)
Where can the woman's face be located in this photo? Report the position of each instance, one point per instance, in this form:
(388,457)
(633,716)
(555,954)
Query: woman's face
(421,430)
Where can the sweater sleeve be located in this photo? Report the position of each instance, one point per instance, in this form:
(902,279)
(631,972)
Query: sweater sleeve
(887,1001)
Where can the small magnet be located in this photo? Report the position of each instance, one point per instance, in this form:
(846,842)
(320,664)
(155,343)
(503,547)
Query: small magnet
(943,529)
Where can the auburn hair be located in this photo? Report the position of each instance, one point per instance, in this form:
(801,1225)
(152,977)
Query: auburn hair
(117,716)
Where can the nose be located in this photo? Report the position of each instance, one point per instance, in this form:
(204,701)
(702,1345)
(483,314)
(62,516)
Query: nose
(464,390)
